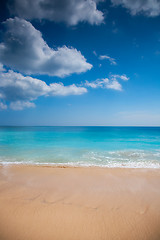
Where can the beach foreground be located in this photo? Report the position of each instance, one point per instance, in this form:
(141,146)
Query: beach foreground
(43,203)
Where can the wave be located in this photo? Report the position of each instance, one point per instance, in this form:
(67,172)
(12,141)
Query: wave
(111,159)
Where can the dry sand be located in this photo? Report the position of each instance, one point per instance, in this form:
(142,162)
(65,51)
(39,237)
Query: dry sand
(43,203)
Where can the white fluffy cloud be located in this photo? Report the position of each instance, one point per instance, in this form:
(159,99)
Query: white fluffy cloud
(58,89)
(69,11)
(109,83)
(147,7)
(20,91)
(3,106)
(20,105)
(122,77)
(24,49)
(110,59)
(1,68)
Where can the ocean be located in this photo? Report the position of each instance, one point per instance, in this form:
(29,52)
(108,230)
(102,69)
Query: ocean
(130,147)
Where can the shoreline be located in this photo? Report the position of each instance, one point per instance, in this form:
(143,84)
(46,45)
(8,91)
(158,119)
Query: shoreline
(70,165)
(82,203)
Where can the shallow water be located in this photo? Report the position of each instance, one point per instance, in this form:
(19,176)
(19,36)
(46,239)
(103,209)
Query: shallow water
(86,146)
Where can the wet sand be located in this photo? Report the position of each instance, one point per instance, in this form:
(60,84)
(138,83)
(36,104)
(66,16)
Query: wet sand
(44,203)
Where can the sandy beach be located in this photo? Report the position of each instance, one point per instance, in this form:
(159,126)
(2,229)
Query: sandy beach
(44,203)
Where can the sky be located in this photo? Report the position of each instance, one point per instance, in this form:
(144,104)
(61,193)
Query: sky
(80,63)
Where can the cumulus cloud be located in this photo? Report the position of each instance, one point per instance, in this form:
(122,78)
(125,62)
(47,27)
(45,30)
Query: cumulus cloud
(99,83)
(58,89)
(111,60)
(24,49)
(69,11)
(20,105)
(20,91)
(122,77)
(114,84)
(3,106)
(1,67)
(109,83)
(149,8)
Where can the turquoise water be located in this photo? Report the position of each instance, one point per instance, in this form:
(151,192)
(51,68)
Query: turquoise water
(84,146)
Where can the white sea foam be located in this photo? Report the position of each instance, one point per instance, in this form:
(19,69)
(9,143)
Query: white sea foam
(73,164)
(108,164)
(110,159)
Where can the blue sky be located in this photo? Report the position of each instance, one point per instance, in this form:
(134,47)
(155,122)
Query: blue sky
(68,62)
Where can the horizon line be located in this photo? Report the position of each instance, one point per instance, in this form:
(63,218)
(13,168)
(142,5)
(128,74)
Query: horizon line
(79,125)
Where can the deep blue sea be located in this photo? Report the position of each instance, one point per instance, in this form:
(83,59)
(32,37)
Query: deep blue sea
(137,147)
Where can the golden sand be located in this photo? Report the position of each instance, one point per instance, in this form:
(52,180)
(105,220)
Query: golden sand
(44,203)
